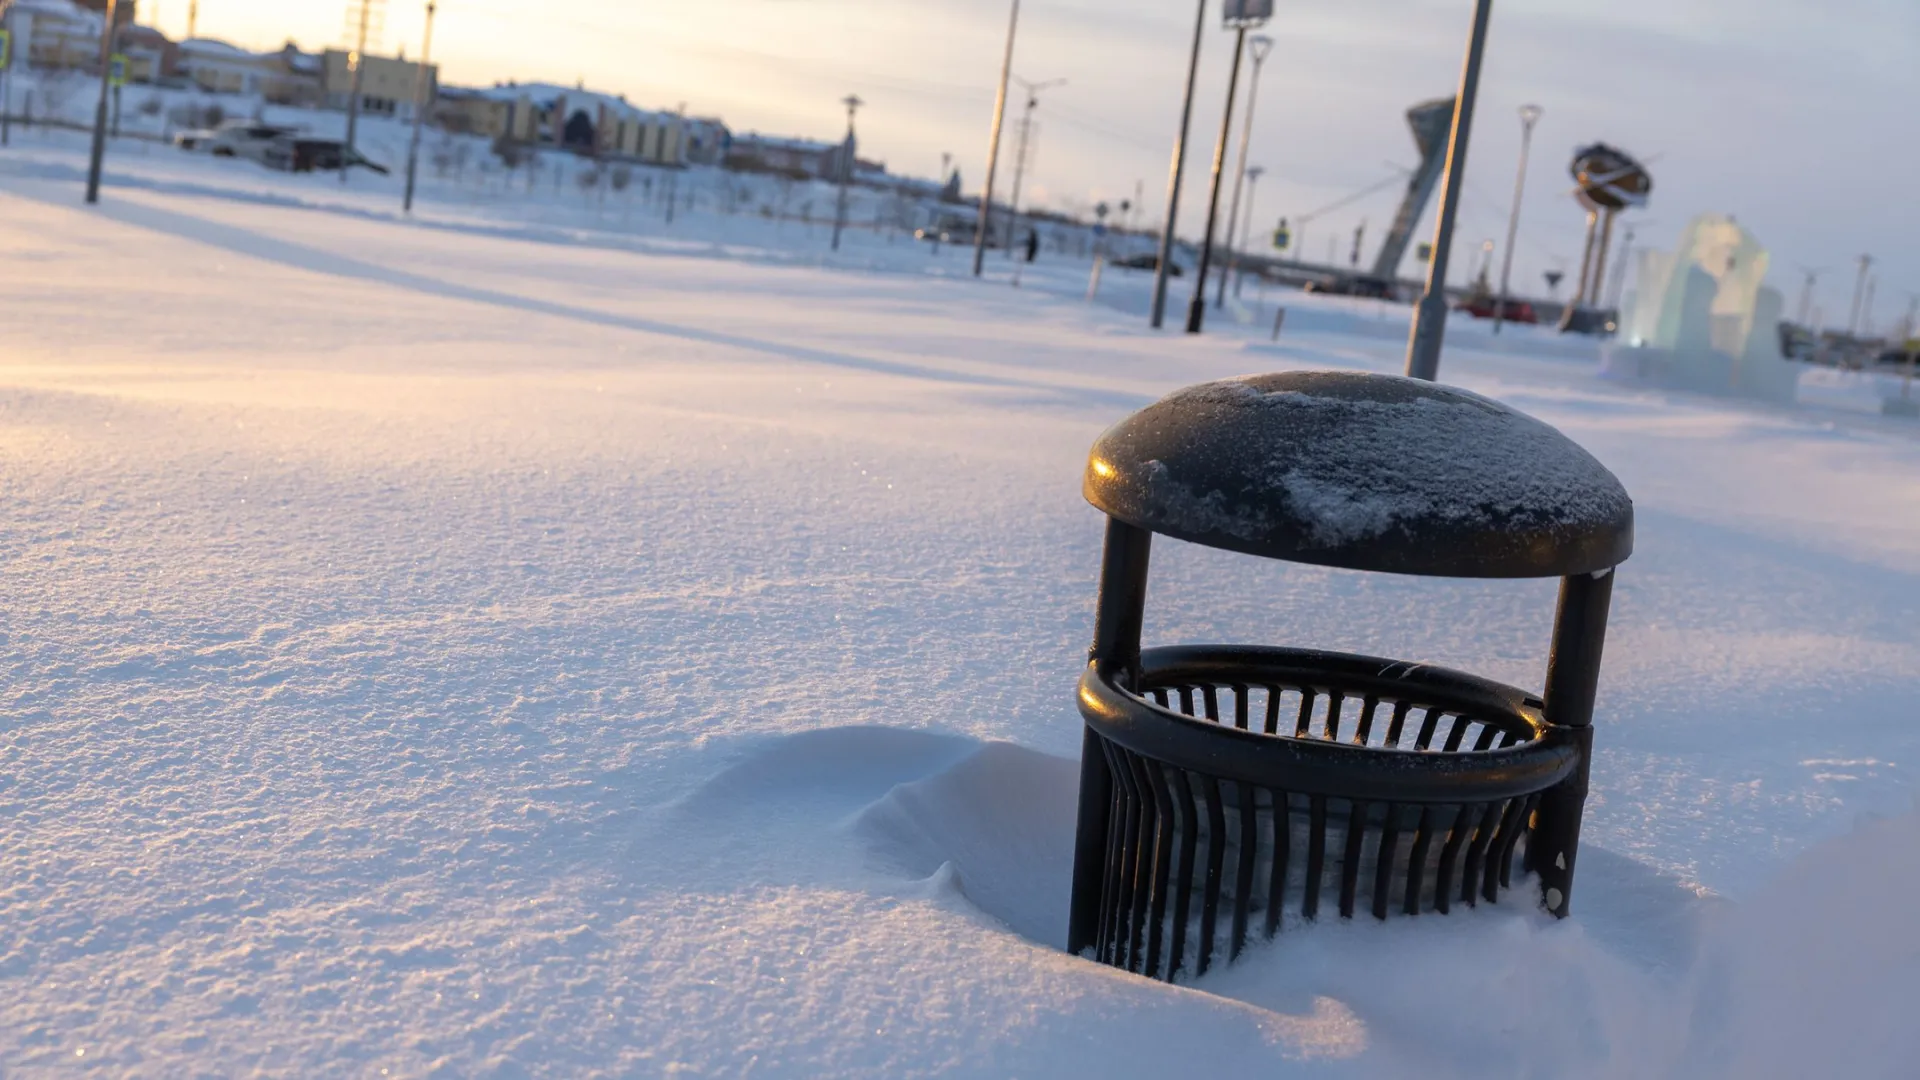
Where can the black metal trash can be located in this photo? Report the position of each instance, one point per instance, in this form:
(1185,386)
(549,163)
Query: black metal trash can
(1223,785)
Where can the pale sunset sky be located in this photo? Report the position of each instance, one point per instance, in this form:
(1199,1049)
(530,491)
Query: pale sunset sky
(1795,116)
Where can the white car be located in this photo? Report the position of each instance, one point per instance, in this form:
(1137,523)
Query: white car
(235,138)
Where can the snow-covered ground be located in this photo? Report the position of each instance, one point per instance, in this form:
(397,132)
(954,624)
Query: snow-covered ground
(454,647)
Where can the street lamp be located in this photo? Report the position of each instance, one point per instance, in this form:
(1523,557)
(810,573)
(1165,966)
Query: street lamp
(853,103)
(1259,45)
(1430,318)
(1246,231)
(985,220)
(1240,16)
(420,101)
(94,160)
(1529,116)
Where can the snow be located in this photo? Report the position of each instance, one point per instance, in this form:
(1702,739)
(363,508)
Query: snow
(530,642)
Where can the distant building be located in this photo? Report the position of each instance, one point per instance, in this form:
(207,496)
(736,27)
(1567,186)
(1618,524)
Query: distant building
(471,112)
(577,119)
(799,158)
(708,141)
(220,68)
(386,83)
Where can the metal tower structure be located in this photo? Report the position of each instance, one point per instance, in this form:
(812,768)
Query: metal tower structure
(365,22)
(1432,124)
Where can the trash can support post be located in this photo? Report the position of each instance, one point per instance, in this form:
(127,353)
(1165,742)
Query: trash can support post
(1117,622)
(1573,679)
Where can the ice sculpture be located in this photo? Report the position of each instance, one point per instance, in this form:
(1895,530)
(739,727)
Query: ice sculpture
(1703,317)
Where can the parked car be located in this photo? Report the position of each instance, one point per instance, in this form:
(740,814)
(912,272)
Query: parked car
(1372,288)
(235,138)
(1484,307)
(1146,261)
(300,153)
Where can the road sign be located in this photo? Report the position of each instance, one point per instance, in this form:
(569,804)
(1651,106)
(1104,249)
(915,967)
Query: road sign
(6,48)
(1248,13)
(117,69)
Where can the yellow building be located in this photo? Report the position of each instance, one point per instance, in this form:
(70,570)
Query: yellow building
(386,83)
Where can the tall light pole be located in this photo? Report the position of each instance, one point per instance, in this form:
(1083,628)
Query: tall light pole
(1529,116)
(1159,314)
(1241,16)
(853,103)
(1246,230)
(984,222)
(1616,289)
(361,11)
(419,110)
(98,156)
(1430,318)
(1259,45)
(1859,291)
(1020,155)
(1806,294)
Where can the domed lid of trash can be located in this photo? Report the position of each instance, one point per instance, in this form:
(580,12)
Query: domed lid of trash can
(1365,472)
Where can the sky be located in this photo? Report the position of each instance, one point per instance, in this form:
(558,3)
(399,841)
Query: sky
(1793,117)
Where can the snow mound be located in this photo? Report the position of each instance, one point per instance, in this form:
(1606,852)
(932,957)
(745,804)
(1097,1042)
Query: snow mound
(841,765)
(1002,818)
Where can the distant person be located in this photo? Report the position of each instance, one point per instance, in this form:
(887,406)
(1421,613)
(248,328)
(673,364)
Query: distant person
(1033,245)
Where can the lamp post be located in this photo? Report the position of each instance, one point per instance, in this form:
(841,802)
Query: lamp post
(1529,116)
(1859,291)
(1240,16)
(358,60)
(95,159)
(1159,314)
(1430,319)
(985,220)
(1259,45)
(419,110)
(1246,230)
(853,103)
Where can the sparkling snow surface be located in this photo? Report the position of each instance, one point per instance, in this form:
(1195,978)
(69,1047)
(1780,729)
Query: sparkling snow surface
(431,652)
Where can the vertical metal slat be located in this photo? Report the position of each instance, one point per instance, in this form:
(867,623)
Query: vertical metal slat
(1243,880)
(1383,866)
(1350,859)
(1316,854)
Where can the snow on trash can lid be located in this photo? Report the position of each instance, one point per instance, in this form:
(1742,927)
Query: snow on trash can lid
(1365,472)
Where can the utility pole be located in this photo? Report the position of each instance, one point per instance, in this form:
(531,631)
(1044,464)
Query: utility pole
(1859,290)
(108,32)
(1020,155)
(420,102)
(1529,116)
(6,77)
(1617,289)
(1246,230)
(193,18)
(1197,307)
(1261,45)
(853,103)
(1159,315)
(1430,318)
(985,220)
(1806,295)
(359,12)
